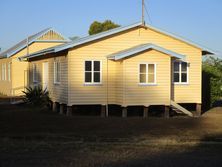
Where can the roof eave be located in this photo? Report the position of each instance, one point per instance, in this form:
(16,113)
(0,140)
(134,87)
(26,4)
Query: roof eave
(37,54)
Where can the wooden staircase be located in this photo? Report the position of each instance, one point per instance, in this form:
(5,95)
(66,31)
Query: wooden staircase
(179,109)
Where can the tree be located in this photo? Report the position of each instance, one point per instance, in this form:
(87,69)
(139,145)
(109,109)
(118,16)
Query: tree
(97,27)
(212,81)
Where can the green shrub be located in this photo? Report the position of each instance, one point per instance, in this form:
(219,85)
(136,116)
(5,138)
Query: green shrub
(36,96)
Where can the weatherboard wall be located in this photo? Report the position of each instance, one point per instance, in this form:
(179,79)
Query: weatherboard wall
(58,92)
(79,93)
(19,77)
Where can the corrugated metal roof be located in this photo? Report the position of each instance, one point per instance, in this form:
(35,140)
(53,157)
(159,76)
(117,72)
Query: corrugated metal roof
(108,33)
(141,48)
(21,45)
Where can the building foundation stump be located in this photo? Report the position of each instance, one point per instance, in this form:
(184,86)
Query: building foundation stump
(124,112)
(145,112)
(55,107)
(61,109)
(103,111)
(69,111)
(198,109)
(167,112)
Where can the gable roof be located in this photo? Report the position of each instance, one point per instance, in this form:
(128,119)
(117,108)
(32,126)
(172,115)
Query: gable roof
(33,38)
(111,32)
(141,48)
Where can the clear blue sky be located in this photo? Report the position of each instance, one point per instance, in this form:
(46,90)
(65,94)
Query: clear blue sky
(197,20)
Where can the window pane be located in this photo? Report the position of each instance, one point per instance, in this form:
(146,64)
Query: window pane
(142,78)
(184,77)
(142,68)
(151,68)
(96,65)
(184,66)
(151,78)
(88,76)
(176,66)
(176,77)
(88,66)
(97,77)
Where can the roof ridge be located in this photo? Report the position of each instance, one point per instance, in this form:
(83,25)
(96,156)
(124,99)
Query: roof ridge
(31,38)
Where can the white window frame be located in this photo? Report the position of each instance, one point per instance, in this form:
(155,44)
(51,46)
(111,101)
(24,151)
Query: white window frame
(180,73)
(92,71)
(9,71)
(34,73)
(147,72)
(4,72)
(56,63)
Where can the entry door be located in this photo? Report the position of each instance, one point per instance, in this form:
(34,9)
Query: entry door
(45,77)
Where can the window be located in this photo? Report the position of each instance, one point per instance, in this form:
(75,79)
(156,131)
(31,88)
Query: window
(34,68)
(147,73)
(4,72)
(93,72)
(57,72)
(9,71)
(180,72)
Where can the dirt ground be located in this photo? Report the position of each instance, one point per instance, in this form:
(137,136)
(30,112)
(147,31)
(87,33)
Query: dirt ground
(29,137)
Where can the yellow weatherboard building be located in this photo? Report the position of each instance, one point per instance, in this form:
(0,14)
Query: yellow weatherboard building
(14,72)
(135,65)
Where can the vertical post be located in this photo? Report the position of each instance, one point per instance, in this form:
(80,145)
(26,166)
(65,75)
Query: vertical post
(124,112)
(27,45)
(54,106)
(103,111)
(145,111)
(198,109)
(143,21)
(61,109)
(69,111)
(167,112)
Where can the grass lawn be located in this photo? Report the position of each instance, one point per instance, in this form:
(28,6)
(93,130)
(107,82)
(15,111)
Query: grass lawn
(42,138)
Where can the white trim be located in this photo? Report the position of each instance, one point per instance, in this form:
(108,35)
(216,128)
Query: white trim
(147,84)
(9,71)
(92,83)
(4,72)
(34,73)
(56,62)
(147,72)
(180,73)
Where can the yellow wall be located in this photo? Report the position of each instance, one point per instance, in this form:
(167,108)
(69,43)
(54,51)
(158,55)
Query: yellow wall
(58,92)
(51,35)
(123,75)
(190,93)
(157,94)
(19,77)
(5,85)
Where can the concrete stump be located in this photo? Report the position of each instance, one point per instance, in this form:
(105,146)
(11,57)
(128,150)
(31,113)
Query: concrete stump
(198,109)
(61,109)
(124,112)
(103,111)
(55,107)
(69,111)
(167,112)
(145,112)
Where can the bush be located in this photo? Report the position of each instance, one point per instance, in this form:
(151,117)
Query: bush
(36,96)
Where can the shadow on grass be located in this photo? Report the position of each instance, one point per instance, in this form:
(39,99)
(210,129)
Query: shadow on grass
(43,138)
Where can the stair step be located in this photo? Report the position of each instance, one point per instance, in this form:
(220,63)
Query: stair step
(177,108)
